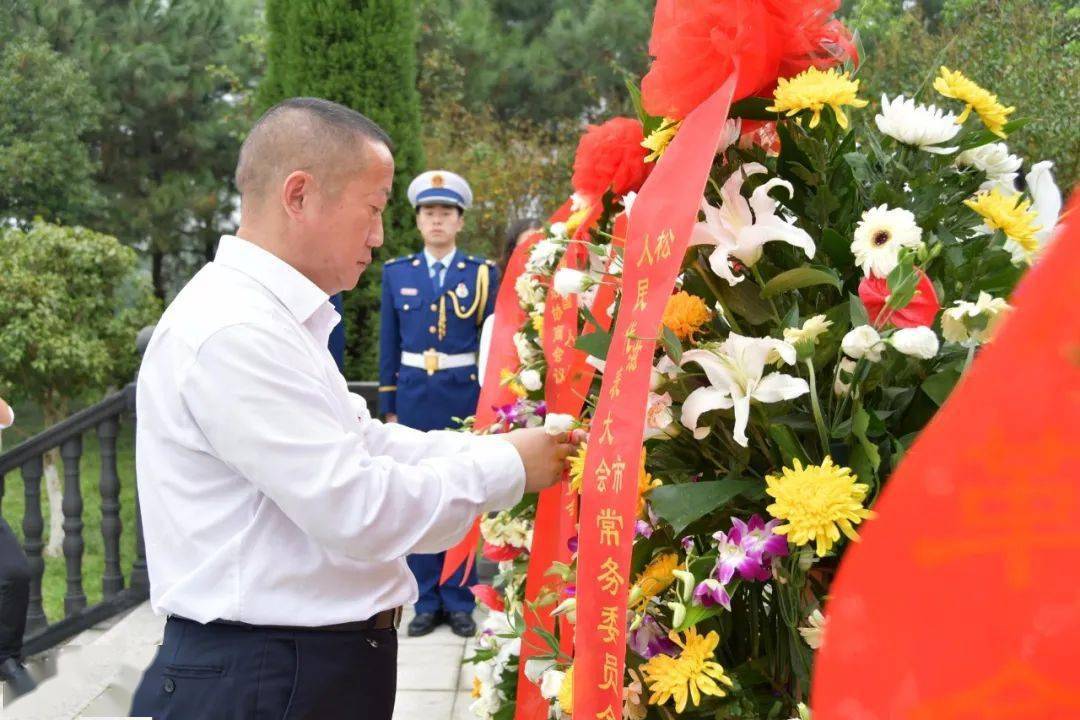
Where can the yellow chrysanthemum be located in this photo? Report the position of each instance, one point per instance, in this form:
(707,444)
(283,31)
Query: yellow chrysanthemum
(659,139)
(574,221)
(1010,214)
(657,577)
(566,692)
(688,676)
(477,686)
(645,485)
(817,501)
(685,314)
(538,323)
(577,468)
(994,115)
(813,89)
(508,378)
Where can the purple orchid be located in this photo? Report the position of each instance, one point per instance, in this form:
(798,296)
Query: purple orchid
(758,537)
(506,413)
(651,638)
(541,409)
(643,529)
(711,592)
(733,556)
(572,544)
(687,543)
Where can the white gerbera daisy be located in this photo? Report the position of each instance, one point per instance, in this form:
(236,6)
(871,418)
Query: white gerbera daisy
(918,125)
(880,235)
(994,160)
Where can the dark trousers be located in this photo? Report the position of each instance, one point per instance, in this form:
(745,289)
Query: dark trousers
(228,672)
(451,596)
(14,593)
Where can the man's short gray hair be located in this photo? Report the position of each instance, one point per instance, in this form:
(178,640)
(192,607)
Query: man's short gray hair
(304,133)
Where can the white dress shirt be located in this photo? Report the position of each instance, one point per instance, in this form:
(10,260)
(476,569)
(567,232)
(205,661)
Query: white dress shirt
(268,493)
(446,262)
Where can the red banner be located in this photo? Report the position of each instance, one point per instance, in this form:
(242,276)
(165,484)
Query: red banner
(509,317)
(660,225)
(568,380)
(963,600)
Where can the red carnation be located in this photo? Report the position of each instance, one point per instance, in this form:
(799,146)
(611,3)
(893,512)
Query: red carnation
(923,308)
(694,44)
(501,553)
(489,596)
(610,157)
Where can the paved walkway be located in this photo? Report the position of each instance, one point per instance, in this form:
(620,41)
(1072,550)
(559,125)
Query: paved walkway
(95,674)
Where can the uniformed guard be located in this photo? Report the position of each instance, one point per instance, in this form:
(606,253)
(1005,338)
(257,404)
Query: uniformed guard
(434,303)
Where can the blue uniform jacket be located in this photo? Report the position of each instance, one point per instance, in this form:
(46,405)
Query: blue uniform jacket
(411,322)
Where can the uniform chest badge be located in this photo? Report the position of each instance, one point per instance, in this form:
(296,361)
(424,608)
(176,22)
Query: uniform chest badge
(409,291)
(462,291)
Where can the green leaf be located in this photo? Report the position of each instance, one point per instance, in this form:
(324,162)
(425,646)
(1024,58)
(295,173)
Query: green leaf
(800,277)
(940,384)
(978,138)
(836,247)
(745,301)
(671,342)
(595,344)
(682,504)
(753,108)
(589,317)
(790,447)
(902,282)
(859,316)
(648,122)
(860,422)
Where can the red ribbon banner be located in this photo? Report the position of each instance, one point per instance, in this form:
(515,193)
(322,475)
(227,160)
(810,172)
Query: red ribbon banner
(661,221)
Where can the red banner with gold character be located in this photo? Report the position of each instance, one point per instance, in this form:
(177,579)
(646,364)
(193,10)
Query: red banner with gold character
(568,380)
(502,354)
(659,230)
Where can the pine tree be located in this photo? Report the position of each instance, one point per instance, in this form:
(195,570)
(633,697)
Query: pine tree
(362,54)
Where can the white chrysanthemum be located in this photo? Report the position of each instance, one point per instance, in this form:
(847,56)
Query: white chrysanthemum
(994,159)
(550,684)
(529,290)
(973,323)
(559,423)
(880,235)
(526,349)
(917,125)
(543,255)
(863,342)
(919,342)
(809,332)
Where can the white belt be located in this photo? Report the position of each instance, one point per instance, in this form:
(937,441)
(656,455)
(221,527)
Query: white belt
(433,361)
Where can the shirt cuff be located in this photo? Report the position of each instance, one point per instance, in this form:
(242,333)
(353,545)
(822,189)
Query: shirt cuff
(503,473)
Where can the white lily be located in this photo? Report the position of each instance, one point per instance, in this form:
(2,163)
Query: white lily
(1045,200)
(736,372)
(739,228)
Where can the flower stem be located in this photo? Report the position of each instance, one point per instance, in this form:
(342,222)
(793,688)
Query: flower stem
(761,284)
(703,272)
(818,419)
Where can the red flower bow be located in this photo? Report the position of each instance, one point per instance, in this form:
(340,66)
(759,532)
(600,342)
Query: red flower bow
(489,596)
(501,553)
(610,156)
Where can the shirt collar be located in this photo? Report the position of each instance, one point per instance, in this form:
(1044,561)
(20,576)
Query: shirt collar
(446,261)
(301,296)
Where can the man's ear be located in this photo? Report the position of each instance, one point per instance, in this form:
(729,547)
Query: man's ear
(296,193)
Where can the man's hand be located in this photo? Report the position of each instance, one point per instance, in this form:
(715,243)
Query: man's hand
(391,417)
(544,456)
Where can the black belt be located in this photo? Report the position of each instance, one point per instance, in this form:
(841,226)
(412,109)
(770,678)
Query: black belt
(385,620)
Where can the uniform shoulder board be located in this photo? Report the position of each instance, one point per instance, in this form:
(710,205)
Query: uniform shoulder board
(392,261)
(490,262)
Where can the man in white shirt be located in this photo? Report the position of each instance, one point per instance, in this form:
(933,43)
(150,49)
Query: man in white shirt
(277,513)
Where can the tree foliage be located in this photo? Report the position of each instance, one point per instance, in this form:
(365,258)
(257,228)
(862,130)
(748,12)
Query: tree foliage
(362,55)
(71,303)
(47,109)
(543,61)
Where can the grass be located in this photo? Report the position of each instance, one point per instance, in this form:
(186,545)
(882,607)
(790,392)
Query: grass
(54,582)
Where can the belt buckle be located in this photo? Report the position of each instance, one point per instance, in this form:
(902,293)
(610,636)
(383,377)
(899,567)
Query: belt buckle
(431,361)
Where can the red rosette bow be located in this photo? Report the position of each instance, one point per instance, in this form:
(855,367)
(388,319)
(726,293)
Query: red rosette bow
(610,157)
(921,311)
(695,45)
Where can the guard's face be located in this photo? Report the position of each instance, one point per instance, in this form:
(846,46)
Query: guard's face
(352,223)
(439,224)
